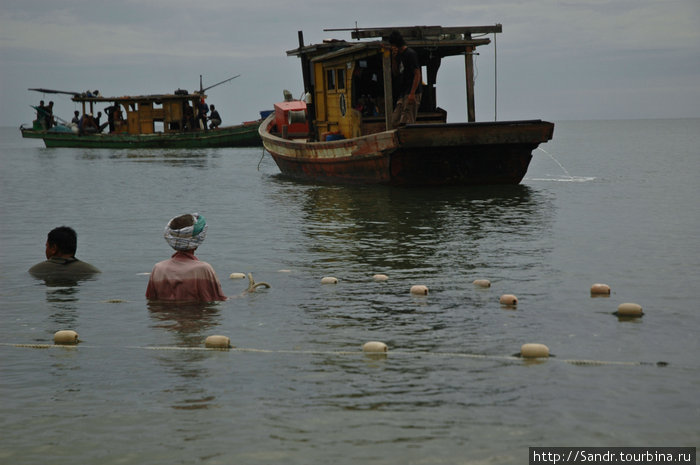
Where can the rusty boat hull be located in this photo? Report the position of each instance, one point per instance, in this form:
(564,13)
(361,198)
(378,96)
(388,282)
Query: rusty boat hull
(414,155)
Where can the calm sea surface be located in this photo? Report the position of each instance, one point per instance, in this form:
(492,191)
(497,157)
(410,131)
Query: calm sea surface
(615,202)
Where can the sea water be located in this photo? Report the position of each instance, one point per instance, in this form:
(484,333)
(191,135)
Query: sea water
(615,202)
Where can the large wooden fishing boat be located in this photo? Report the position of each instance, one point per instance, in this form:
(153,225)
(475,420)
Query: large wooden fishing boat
(147,121)
(330,136)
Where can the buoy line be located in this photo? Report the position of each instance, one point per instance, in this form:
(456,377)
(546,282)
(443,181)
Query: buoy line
(510,358)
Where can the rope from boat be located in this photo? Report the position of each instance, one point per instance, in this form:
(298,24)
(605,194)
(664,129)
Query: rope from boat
(261,158)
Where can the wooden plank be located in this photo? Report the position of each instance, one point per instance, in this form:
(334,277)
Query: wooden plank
(388,90)
(419,32)
(469,71)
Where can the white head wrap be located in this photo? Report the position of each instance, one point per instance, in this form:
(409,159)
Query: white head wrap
(187,238)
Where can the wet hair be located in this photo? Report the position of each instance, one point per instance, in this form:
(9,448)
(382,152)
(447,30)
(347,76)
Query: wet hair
(64,238)
(396,39)
(181,221)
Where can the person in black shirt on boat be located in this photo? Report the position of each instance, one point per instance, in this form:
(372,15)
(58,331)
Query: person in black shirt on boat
(50,122)
(202,110)
(405,66)
(41,115)
(214,118)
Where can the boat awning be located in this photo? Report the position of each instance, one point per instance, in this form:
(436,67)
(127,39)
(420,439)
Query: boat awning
(444,46)
(139,98)
(349,50)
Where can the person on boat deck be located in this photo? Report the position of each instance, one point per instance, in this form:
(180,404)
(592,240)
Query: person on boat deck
(41,115)
(202,110)
(404,65)
(214,118)
(76,117)
(61,244)
(50,122)
(183,277)
(88,125)
(187,117)
(109,111)
(97,121)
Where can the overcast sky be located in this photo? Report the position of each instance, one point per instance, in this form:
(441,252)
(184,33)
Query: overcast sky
(556,59)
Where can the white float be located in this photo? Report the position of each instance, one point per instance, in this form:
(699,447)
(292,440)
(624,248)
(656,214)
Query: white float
(531,350)
(237,275)
(329,280)
(419,289)
(629,309)
(509,299)
(375,346)
(600,289)
(65,337)
(380,277)
(217,342)
(482,283)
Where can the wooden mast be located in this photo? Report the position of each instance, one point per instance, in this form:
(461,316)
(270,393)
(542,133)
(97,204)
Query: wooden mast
(388,90)
(469,71)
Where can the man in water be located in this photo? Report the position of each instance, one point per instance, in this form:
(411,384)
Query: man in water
(61,263)
(183,277)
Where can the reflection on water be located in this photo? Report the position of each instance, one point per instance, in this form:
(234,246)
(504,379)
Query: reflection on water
(166,157)
(62,294)
(63,303)
(187,320)
(421,229)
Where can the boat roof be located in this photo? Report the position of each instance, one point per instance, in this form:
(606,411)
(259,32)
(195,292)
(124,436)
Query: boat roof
(157,98)
(445,41)
(139,98)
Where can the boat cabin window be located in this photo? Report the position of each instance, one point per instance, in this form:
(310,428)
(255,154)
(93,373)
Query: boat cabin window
(330,79)
(335,79)
(341,78)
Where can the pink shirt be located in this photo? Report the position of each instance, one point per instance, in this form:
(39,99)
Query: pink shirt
(184,277)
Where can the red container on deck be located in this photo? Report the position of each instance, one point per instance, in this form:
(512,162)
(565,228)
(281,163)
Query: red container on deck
(291,115)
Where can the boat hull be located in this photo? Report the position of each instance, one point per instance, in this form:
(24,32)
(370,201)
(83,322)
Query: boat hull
(414,155)
(244,135)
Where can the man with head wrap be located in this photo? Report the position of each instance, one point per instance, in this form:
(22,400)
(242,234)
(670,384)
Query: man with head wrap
(183,277)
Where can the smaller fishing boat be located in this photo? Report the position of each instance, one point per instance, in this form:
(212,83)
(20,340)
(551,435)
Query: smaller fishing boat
(176,120)
(342,131)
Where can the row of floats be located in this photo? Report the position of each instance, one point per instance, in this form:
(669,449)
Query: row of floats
(69,337)
(627,309)
(527,350)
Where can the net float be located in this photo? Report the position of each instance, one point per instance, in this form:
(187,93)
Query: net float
(600,289)
(419,289)
(65,337)
(531,350)
(629,309)
(217,342)
(374,346)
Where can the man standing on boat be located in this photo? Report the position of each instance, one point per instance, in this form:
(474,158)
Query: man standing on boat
(202,110)
(404,65)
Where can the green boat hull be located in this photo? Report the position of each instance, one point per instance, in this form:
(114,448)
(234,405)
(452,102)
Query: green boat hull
(244,135)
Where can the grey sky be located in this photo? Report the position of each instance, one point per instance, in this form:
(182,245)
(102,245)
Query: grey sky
(557,59)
